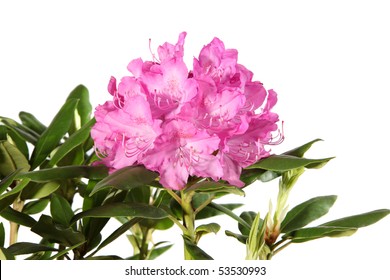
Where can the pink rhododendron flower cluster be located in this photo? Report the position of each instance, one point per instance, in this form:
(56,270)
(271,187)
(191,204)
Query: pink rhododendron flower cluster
(211,121)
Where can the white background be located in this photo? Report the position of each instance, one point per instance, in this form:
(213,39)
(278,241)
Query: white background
(327,60)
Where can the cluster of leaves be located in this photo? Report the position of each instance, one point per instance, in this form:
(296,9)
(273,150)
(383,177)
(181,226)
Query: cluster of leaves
(45,169)
(266,237)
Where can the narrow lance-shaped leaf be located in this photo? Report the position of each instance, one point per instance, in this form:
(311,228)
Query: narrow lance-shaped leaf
(17,217)
(312,233)
(54,133)
(301,150)
(60,210)
(23,248)
(140,210)
(83,109)
(7,181)
(11,159)
(46,228)
(30,121)
(75,140)
(306,212)
(2,235)
(126,178)
(28,134)
(66,172)
(282,163)
(361,220)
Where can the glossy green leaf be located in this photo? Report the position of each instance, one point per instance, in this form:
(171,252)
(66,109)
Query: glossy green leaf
(30,121)
(139,210)
(36,190)
(214,188)
(75,140)
(23,248)
(35,206)
(208,211)
(240,237)
(17,189)
(11,159)
(51,137)
(60,210)
(312,233)
(66,172)
(207,228)
(17,217)
(56,233)
(127,178)
(15,138)
(7,201)
(5,255)
(8,180)
(301,150)
(194,251)
(282,163)
(249,217)
(2,235)
(361,220)
(306,212)
(83,109)
(141,195)
(25,132)
(156,252)
(153,253)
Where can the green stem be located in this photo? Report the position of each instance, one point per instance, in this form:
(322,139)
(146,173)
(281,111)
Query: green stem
(188,220)
(274,252)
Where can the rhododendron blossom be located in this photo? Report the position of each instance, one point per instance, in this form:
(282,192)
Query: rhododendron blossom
(209,122)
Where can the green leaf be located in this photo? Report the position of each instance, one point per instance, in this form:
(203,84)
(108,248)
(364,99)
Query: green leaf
(83,109)
(60,210)
(7,181)
(311,233)
(207,228)
(11,159)
(36,206)
(36,191)
(361,220)
(255,241)
(156,252)
(194,251)
(5,255)
(127,178)
(15,138)
(306,212)
(282,163)
(2,235)
(300,151)
(25,132)
(208,211)
(66,172)
(75,140)
(239,237)
(30,121)
(249,217)
(18,188)
(51,137)
(116,209)
(214,188)
(23,248)
(117,233)
(56,233)
(17,217)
